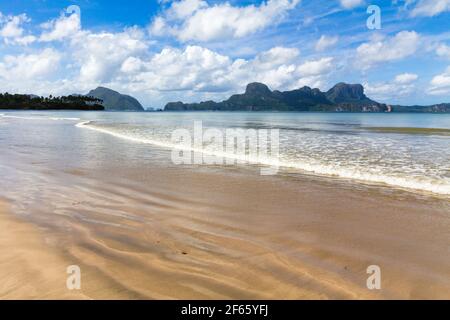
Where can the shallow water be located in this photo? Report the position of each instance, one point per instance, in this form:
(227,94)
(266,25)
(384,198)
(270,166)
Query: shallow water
(409,151)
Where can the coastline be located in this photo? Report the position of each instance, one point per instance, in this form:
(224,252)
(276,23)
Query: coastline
(218,240)
(140,227)
(224,158)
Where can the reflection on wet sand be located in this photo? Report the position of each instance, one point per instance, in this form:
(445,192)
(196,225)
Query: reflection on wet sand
(173,233)
(140,227)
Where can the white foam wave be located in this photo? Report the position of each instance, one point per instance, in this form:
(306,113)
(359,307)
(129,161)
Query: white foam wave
(437,187)
(84,123)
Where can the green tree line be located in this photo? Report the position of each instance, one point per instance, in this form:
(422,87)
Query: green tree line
(29,102)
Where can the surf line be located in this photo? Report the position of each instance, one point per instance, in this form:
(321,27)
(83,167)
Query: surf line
(244,146)
(183,141)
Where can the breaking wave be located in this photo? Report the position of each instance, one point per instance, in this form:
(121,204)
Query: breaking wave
(402,180)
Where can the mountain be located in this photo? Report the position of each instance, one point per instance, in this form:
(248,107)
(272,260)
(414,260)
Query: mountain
(348,93)
(114,101)
(258,97)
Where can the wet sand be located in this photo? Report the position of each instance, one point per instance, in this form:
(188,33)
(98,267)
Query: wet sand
(29,268)
(193,233)
(140,227)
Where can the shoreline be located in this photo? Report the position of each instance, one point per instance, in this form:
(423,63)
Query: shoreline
(355,175)
(140,227)
(274,242)
(365,178)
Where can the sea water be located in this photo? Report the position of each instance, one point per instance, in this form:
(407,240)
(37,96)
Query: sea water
(408,151)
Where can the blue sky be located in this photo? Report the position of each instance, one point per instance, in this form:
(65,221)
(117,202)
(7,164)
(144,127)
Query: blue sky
(190,50)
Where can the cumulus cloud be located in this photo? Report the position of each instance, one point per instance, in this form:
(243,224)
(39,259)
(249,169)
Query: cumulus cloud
(61,28)
(101,55)
(194,68)
(123,62)
(326,42)
(316,67)
(440,84)
(198,69)
(12,31)
(199,21)
(76,60)
(12,28)
(276,56)
(313,73)
(131,65)
(350,4)
(402,86)
(186,8)
(89,58)
(430,8)
(406,78)
(98,56)
(443,51)
(402,45)
(32,66)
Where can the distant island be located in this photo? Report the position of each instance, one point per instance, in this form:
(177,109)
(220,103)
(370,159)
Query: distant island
(342,97)
(33,102)
(96,100)
(115,101)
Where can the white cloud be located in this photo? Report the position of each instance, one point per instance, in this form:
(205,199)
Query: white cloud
(406,78)
(98,57)
(276,56)
(440,84)
(124,61)
(101,55)
(159,27)
(25,40)
(131,65)
(186,8)
(194,68)
(90,58)
(61,28)
(401,87)
(443,51)
(350,4)
(32,66)
(316,67)
(379,90)
(430,8)
(12,30)
(326,42)
(197,20)
(403,44)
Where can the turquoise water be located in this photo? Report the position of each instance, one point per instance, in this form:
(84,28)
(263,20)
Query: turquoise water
(408,151)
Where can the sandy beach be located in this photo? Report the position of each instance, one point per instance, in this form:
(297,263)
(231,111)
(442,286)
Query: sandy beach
(236,150)
(226,237)
(140,227)
(29,268)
